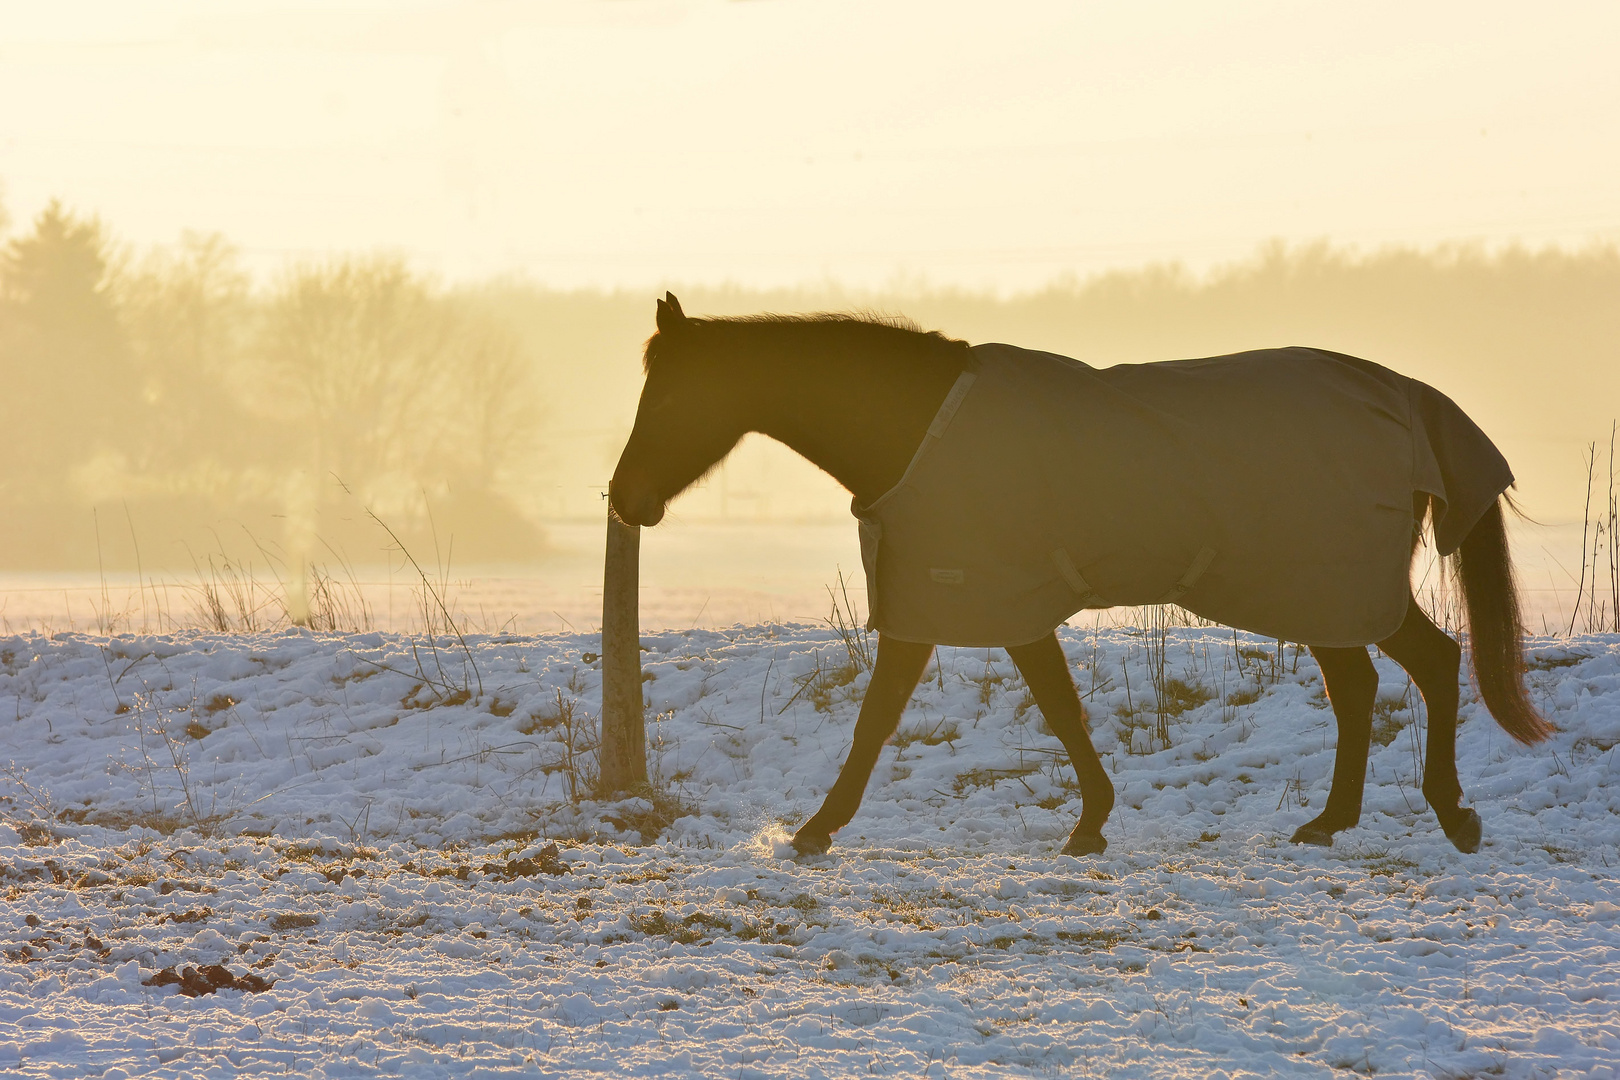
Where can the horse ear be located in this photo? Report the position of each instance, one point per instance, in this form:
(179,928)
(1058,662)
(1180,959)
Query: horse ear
(670,315)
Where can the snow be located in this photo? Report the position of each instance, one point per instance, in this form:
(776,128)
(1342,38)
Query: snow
(333,814)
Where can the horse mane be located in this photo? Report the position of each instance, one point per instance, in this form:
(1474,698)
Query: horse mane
(866,332)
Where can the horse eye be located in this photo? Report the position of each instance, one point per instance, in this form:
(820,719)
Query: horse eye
(657,407)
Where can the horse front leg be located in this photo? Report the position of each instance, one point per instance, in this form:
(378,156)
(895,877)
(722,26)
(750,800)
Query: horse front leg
(1351,683)
(1046,671)
(895,675)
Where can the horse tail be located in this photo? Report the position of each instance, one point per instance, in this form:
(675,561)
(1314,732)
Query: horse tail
(1484,569)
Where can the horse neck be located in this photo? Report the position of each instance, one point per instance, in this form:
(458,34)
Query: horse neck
(859,417)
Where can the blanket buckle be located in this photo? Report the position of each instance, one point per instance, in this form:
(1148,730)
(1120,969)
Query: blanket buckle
(1190,576)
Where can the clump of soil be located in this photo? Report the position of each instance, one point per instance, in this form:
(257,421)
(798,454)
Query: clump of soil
(548,861)
(195,982)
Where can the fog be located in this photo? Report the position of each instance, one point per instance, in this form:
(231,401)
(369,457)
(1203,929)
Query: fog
(166,406)
(286,285)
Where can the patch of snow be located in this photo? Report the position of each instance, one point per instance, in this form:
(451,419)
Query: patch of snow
(327,812)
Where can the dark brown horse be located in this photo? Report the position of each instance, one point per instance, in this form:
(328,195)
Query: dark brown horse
(859,396)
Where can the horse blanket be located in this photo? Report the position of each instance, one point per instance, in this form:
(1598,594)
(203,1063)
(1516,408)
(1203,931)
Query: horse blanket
(1276,491)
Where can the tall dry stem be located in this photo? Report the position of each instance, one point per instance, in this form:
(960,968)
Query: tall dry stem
(1599,586)
(849,627)
(437,619)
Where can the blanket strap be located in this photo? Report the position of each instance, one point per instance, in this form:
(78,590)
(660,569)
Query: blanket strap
(936,431)
(1065,567)
(952,402)
(1190,576)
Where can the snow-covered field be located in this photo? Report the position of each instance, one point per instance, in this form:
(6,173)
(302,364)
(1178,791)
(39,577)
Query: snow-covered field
(363,822)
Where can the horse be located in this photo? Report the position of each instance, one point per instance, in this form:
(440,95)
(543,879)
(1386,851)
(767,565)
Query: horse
(864,398)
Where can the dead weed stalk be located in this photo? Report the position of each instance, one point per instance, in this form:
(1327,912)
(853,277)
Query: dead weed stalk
(849,627)
(445,683)
(1599,587)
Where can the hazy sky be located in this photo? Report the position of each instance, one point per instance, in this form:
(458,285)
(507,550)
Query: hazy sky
(643,142)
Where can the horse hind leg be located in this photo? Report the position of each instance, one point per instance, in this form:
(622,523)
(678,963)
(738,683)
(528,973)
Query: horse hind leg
(1351,682)
(895,675)
(1433,659)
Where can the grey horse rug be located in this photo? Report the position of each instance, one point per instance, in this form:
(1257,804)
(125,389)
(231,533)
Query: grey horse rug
(1271,491)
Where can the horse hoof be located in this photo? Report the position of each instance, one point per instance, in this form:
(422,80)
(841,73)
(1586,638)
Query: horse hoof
(1085,844)
(1314,834)
(1464,832)
(809,843)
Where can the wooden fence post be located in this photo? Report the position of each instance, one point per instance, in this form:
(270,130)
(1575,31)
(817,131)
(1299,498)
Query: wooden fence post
(623,756)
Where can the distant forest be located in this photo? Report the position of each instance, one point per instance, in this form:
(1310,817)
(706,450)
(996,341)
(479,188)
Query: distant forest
(164,401)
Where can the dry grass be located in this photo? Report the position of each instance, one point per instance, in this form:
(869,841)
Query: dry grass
(577,739)
(820,685)
(1387,712)
(1598,590)
(942,731)
(337,604)
(228,597)
(438,670)
(1176,696)
(850,627)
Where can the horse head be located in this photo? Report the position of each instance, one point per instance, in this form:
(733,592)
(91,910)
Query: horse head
(688,419)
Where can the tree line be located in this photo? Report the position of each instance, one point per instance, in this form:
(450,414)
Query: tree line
(169,399)
(165,391)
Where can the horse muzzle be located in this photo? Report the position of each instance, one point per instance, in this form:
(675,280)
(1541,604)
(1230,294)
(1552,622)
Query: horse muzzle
(644,510)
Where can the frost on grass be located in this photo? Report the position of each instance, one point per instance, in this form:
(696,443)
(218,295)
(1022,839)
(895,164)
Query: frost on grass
(359,876)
